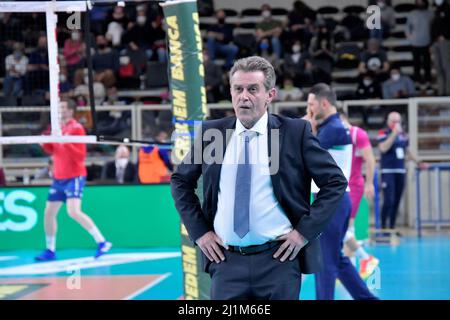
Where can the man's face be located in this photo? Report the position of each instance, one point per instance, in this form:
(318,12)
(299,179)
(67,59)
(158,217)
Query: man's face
(42,42)
(316,107)
(122,153)
(394,119)
(249,96)
(66,112)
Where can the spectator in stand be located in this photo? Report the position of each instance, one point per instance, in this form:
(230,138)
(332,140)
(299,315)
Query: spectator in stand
(16,68)
(322,47)
(387,18)
(65,87)
(82,88)
(121,170)
(117,23)
(33,25)
(440,33)
(37,75)
(158,36)
(265,50)
(128,77)
(355,27)
(368,88)
(271,29)
(213,78)
(297,63)
(374,59)
(300,23)
(98,15)
(219,40)
(74,53)
(398,86)
(105,62)
(289,92)
(418,32)
(138,35)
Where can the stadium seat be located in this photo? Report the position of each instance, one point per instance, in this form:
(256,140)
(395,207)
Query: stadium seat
(156,75)
(246,42)
(279,11)
(347,55)
(328,10)
(247,25)
(252,12)
(353,9)
(400,20)
(230,12)
(8,101)
(404,7)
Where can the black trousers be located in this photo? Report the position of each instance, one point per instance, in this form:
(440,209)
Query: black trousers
(393,186)
(255,277)
(422,60)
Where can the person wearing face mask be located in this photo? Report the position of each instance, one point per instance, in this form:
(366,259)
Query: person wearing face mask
(398,86)
(105,62)
(220,40)
(387,19)
(368,88)
(270,28)
(440,33)
(138,35)
(295,64)
(265,50)
(289,92)
(300,22)
(37,76)
(418,32)
(322,47)
(16,68)
(121,170)
(74,53)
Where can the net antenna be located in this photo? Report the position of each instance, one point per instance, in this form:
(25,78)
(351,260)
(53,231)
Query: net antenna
(50,8)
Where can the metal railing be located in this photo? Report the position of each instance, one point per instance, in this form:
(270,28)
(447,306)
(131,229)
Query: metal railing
(436,192)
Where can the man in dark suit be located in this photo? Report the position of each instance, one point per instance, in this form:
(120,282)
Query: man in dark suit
(121,170)
(256,193)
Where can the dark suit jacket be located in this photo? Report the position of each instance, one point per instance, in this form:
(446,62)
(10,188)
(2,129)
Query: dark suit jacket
(301,158)
(109,172)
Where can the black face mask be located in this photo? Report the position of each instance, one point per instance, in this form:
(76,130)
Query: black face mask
(102,46)
(221,20)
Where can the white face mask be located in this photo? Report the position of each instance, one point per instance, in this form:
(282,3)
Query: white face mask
(395,76)
(367,82)
(122,162)
(296,48)
(266,14)
(124,60)
(86,80)
(75,36)
(62,78)
(439,2)
(141,20)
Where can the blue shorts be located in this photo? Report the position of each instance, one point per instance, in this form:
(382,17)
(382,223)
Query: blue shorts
(63,189)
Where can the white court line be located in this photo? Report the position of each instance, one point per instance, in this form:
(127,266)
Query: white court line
(6,258)
(150,285)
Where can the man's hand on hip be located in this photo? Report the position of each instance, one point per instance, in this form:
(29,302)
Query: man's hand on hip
(209,243)
(294,241)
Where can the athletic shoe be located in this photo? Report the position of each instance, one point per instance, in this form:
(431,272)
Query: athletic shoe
(367,266)
(47,255)
(103,247)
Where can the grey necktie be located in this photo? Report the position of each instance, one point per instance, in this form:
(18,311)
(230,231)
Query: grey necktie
(243,188)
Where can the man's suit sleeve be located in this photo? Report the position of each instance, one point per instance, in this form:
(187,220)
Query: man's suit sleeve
(183,184)
(328,177)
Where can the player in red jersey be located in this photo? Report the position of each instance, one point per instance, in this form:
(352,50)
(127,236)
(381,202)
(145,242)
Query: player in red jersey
(69,178)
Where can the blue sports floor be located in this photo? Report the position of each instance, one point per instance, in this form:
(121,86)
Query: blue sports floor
(415,269)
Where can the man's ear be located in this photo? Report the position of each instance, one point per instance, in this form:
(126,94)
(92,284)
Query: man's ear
(272,95)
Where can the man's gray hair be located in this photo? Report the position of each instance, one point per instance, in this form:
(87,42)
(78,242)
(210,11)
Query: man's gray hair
(255,63)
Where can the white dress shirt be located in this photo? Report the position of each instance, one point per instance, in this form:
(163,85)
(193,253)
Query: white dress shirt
(267,219)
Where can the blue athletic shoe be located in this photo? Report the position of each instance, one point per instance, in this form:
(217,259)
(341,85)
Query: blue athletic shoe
(103,247)
(47,255)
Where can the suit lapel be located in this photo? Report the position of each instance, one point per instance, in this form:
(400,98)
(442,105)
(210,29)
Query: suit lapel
(274,124)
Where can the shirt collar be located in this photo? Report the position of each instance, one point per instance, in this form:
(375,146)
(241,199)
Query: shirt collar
(260,127)
(333,116)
